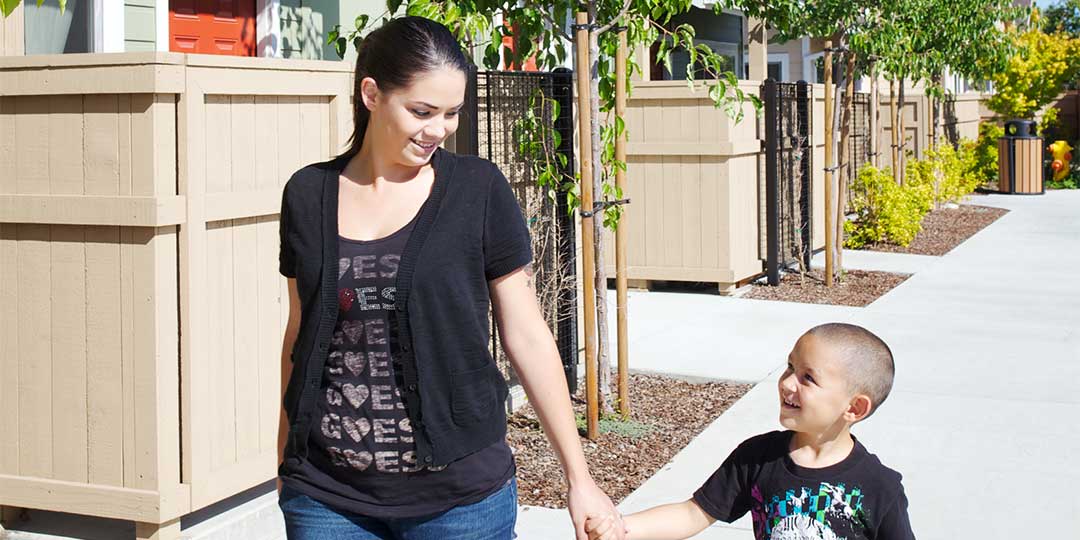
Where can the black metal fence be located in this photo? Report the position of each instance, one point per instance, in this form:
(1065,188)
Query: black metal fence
(788,176)
(495,101)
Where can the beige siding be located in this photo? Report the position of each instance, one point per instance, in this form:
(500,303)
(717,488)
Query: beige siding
(140,307)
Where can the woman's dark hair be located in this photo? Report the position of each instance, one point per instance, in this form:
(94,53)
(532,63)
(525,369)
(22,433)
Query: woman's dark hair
(394,55)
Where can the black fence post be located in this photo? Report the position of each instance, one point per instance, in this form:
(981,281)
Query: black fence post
(772,193)
(804,101)
(468,134)
(562,89)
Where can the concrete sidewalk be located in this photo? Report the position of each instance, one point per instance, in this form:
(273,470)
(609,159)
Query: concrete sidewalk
(982,421)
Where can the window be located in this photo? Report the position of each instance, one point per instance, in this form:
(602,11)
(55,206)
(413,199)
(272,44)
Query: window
(722,33)
(49,32)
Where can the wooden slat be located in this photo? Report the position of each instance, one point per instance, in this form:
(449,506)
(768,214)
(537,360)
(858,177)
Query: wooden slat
(137,80)
(127,352)
(8,144)
(246,337)
(69,382)
(268,350)
(144,355)
(164,135)
(222,370)
(76,497)
(691,211)
(218,141)
(313,119)
(710,234)
(654,216)
(35,345)
(9,348)
(289,136)
(265,139)
(124,148)
(242,143)
(92,210)
(101,145)
(104,358)
(143,146)
(164,380)
(262,82)
(198,404)
(32,146)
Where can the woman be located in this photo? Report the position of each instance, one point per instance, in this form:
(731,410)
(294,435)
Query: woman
(394,426)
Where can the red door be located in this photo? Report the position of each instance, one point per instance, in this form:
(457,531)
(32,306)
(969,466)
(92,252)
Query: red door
(212,27)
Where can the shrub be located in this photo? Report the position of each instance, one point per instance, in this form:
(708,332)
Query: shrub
(887,211)
(947,171)
(984,166)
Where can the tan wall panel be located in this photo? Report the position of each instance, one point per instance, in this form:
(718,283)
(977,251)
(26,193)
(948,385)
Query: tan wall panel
(32,144)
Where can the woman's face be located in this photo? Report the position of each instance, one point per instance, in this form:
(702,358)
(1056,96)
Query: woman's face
(410,123)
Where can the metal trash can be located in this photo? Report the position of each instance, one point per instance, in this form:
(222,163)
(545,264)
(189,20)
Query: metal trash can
(1020,159)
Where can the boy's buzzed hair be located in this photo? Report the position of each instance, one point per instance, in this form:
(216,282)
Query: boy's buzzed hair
(869,360)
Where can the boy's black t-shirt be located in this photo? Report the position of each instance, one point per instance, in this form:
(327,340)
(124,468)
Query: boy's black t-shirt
(856,498)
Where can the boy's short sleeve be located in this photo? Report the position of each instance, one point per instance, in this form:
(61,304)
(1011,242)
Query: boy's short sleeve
(726,494)
(895,524)
(507,246)
(286,255)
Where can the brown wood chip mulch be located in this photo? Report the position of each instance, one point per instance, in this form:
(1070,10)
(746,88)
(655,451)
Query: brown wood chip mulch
(665,415)
(857,288)
(944,229)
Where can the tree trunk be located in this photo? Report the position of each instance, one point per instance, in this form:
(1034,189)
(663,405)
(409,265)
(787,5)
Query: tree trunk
(903,139)
(847,158)
(839,162)
(894,130)
(875,120)
(603,358)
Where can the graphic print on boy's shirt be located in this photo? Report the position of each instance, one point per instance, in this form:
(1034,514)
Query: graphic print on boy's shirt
(858,498)
(363,425)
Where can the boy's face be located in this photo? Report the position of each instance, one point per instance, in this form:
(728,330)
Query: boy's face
(815,397)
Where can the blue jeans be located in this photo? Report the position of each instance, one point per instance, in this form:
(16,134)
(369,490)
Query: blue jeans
(490,519)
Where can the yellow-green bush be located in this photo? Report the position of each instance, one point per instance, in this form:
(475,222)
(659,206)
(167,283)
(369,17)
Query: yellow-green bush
(947,171)
(886,211)
(985,159)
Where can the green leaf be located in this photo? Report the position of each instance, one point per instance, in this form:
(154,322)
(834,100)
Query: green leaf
(330,37)
(340,45)
(392,6)
(361,22)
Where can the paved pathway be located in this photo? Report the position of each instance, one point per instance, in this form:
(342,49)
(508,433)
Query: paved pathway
(984,419)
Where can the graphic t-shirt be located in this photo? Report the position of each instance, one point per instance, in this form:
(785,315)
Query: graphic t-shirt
(856,498)
(362,454)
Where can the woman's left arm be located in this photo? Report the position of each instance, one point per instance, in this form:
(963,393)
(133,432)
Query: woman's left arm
(532,351)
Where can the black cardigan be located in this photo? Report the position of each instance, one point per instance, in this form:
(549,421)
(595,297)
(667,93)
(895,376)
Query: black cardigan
(470,231)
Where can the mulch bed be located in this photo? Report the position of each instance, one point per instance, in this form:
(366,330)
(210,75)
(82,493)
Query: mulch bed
(944,229)
(858,288)
(665,415)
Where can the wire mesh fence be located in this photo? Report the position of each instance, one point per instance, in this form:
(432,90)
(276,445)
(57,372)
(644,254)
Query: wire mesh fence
(496,101)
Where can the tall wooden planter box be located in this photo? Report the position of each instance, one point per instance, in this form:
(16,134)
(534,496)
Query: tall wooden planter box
(141,310)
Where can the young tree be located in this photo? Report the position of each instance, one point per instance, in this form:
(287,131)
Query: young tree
(543,30)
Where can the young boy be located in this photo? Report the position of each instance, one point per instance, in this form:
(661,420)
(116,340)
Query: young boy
(814,480)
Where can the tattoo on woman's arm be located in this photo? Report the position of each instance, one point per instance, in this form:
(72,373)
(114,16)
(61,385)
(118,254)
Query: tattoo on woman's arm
(530,273)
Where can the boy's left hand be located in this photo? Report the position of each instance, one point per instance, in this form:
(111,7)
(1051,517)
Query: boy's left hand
(600,528)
